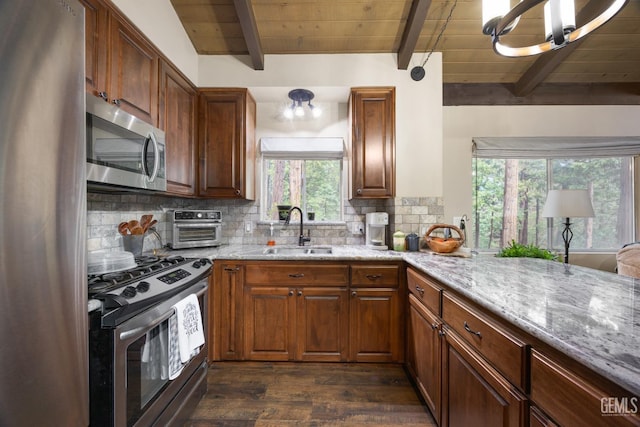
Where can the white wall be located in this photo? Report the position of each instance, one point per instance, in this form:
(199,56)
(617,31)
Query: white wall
(158,20)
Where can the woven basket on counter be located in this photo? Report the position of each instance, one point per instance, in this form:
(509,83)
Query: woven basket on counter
(440,244)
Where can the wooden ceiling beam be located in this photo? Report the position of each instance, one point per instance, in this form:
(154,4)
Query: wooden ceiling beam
(549,61)
(250,31)
(415,22)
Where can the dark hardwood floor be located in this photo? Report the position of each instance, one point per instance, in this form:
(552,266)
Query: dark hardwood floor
(309,394)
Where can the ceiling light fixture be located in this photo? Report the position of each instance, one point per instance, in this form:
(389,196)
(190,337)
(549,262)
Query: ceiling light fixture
(559,22)
(298,96)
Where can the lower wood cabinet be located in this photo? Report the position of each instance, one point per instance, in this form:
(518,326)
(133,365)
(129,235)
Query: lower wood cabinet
(426,345)
(375,324)
(225,333)
(304,324)
(473,392)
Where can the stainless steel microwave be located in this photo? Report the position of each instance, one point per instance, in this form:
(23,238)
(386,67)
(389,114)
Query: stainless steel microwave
(122,150)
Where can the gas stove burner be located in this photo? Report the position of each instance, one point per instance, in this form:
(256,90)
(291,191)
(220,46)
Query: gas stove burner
(146,259)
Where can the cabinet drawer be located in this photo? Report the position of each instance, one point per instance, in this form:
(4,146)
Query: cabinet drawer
(297,274)
(506,352)
(373,276)
(425,290)
(573,401)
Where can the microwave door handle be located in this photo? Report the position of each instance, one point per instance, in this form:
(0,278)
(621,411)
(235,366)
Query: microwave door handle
(156,157)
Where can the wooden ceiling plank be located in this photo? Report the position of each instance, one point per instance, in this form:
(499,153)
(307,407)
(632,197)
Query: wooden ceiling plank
(250,31)
(412,30)
(549,61)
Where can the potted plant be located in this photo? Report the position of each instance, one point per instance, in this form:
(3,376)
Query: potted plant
(518,250)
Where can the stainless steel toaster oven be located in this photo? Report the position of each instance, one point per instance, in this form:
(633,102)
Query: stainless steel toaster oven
(194,228)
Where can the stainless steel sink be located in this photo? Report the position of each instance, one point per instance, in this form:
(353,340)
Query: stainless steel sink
(298,250)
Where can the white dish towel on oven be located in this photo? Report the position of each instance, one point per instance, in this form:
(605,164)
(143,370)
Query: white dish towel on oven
(190,330)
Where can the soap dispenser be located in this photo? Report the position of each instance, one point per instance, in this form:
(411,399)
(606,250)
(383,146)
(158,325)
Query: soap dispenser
(271,241)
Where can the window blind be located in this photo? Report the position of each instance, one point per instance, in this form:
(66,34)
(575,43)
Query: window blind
(302,148)
(555,147)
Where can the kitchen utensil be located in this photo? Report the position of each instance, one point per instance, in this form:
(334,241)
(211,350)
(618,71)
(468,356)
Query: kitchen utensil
(443,245)
(123,228)
(151,224)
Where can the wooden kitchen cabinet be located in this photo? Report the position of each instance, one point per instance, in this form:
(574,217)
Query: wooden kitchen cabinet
(226,143)
(177,117)
(296,311)
(372,119)
(226,331)
(96,23)
(121,65)
(426,344)
(473,392)
(376,314)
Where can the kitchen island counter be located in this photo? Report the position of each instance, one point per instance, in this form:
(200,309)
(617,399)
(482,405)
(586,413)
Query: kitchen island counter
(589,315)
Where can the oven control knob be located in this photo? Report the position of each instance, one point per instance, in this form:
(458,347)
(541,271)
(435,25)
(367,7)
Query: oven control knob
(196,264)
(129,292)
(143,286)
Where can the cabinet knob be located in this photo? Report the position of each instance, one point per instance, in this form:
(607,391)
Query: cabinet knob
(237,192)
(359,191)
(441,333)
(291,293)
(434,326)
(116,102)
(299,293)
(354,293)
(103,95)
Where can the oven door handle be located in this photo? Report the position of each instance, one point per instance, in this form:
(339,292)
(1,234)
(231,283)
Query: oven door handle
(197,224)
(128,333)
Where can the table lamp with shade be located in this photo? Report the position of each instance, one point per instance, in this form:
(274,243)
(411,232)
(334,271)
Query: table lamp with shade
(568,204)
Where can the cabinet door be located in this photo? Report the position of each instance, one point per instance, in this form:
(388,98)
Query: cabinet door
(96,36)
(226,135)
(473,393)
(375,326)
(373,142)
(269,323)
(427,347)
(227,313)
(322,324)
(133,77)
(177,119)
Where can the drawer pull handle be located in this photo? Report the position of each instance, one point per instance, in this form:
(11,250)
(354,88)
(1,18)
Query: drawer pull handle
(419,289)
(471,331)
(296,275)
(231,269)
(374,276)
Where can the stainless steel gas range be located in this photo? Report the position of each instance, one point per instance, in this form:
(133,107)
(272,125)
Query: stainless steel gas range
(130,341)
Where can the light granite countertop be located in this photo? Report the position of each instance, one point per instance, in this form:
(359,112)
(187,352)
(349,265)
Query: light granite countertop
(590,315)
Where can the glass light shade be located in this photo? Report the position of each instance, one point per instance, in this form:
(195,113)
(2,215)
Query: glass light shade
(299,111)
(288,112)
(315,111)
(492,12)
(567,15)
(568,204)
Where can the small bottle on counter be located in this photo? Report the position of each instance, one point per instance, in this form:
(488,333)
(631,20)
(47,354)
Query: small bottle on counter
(271,241)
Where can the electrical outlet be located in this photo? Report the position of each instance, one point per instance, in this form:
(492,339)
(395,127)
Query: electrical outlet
(358,228)
(247,227)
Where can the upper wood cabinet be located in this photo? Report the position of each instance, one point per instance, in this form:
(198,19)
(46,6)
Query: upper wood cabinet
(226,143)
(96,37)
(121,65)
(177,117)
(373,157)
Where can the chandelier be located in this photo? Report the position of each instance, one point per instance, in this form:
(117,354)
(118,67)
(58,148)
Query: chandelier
(298,96)
(559,22)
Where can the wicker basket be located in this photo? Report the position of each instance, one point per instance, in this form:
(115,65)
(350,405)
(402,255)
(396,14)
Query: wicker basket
(440,244)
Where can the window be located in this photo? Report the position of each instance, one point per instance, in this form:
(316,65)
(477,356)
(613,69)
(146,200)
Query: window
(303,172)
(511,183)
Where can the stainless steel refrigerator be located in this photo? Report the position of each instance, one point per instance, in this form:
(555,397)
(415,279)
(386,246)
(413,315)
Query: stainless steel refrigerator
(43,291)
